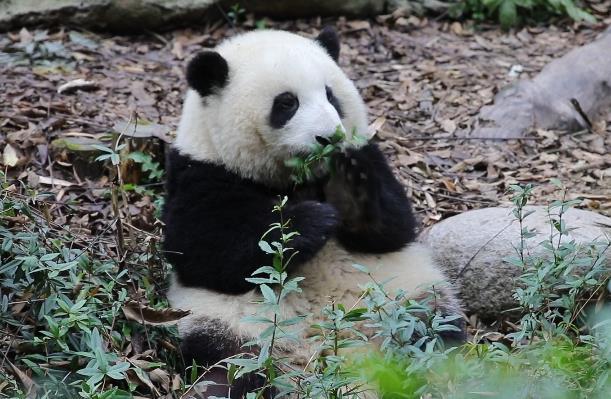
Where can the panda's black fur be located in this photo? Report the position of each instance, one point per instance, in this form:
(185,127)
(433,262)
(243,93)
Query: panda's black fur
(216,215)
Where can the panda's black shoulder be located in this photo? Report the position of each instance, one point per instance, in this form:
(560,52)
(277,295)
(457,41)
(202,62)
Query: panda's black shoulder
(188,176)
(181,169)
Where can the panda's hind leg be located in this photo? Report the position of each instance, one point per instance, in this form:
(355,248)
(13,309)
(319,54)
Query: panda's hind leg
(442,299)
(240,387)
(208,341)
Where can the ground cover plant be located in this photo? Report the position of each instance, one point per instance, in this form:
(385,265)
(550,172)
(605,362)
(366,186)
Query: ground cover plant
(80,321)
(68,306)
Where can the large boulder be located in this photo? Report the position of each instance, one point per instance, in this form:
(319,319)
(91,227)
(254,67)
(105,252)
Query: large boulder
(471,247)
(139,15)
(570,93)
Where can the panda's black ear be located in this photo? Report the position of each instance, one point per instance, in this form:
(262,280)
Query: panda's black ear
(207,72)
(329,40)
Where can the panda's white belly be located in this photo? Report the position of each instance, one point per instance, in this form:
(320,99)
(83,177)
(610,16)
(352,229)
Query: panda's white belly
(329,276)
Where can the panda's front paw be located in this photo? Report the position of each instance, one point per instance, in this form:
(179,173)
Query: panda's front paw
(314,220)
(352,187)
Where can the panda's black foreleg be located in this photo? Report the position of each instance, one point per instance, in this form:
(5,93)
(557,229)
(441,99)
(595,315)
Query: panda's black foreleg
(374,211)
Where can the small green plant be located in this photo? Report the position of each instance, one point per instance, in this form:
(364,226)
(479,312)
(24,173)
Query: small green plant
(274,284)
(260,24)
(562,345)
(408,327)
(119,156)
(235,14)
(511,12)
(63,297)
(148,165)
(320,155)
(561,280)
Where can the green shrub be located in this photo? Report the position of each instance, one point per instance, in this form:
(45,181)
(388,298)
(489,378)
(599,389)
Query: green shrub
(512,12)
(62,303)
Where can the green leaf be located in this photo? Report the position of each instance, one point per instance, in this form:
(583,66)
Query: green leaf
(291,321)
(115,159)
(256,319)
(361,268)
(103,157)
(48,257)
(257,280)
(268,294)
(264,270)
(90,371)
(294,162)
(117,372)
(576,13)
(103,148)
(248,363)
(355,314)
(266,247)
(508,14)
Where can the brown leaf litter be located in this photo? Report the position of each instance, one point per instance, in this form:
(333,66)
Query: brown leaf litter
(423,81)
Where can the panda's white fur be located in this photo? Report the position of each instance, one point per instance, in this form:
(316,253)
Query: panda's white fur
(263,64)
(330,276)
(231,129)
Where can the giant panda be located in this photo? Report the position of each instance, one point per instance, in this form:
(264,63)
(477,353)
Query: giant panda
(253,102)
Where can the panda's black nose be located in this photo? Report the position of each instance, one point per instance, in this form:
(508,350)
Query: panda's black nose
(322,140)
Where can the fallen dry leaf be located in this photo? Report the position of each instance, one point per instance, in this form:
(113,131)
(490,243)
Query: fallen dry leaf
(54,182)
(144,314)
(30,386)
(9,156)
(77,84)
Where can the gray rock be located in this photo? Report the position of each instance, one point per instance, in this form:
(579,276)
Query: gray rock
(575,83)
(470,247)
(140,15)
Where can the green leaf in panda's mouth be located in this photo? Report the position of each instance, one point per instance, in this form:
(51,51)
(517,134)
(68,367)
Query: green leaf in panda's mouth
(320,155)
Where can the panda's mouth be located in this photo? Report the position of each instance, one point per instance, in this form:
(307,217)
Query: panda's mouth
(303,154)
(318,168)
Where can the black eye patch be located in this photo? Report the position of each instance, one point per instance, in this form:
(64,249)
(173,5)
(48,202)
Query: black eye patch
(334,101)
(284,108)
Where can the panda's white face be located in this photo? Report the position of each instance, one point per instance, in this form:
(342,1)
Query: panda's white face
(262,98)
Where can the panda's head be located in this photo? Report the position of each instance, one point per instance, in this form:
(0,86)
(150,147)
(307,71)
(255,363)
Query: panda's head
(263,97)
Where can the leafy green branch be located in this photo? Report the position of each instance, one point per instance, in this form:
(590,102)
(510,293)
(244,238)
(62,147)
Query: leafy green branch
(321,154)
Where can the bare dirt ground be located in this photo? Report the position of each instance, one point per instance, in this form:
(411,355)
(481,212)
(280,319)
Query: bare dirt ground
(423,82)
